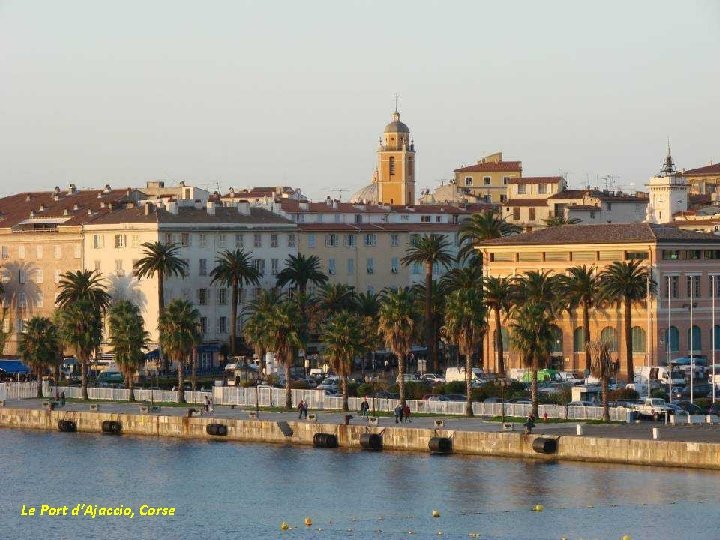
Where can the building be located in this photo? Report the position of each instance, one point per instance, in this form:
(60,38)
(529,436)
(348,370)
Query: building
(703,180)
(41,237)
(488,178)
(393,181)
(682,262)
(668,192)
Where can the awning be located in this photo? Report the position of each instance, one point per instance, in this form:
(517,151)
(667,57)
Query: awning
(13,367)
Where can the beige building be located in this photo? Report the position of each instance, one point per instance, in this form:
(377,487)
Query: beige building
(703,180)
(488,179)
(682,262)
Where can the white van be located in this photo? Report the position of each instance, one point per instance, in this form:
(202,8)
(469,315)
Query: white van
(458,374)
(661,374)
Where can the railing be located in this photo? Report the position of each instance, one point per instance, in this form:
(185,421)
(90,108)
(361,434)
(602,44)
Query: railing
(18,390)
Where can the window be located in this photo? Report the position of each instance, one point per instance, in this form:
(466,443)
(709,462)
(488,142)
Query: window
(370,239)
(119,267)
(411,167)
(274,266)
(184,239)
(674,287)
(579,340)
(486,181)
(39,275)
(716,279)
(542,188)
(638,339)
(506,180)
(516,214)
(203,325)
(259,264)
(370,265)
(318,218)
(610,255)
(395,265)
(98,241)
(531,212)
(135,240)
(557,256)
(331,267)
(291,240)
(694,339)
(468,181)
(331,240)
(557,342)
(39,300)
(416,268)
(22,299)
(21,252)
(358,218)
(609,336)
(636,255)
(222,325)
(404,217)
(583,255)
(221,295)
(503,198)
(274,240)
(392,166)
(673,342)
(57,276)
(221,239)
(168,238)
(203,240)
(712,254)
(202,270)
(522,189)
(58,252)
(39,252)
(530,256)
(311,240)
(350,266)
(670,254)
(338,218)
(609,206)
(394,240)
(202,296)
(257,240)
(502,257)
(693,286)
(424,219)
(22,276)
(350,240)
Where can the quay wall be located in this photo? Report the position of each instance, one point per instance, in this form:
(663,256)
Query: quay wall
(517,445)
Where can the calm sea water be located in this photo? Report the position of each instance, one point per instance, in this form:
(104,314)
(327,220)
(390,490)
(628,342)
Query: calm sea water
(231,490)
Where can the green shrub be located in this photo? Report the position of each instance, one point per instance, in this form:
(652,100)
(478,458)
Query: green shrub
(623,394)
(703,403)
(455,387)
(659,393)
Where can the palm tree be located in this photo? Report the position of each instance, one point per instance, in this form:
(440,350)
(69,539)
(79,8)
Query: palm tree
(284,329)
(540,288)
(429,250)
(367,306)
(234,269)
(465,324)
(127,338)
(83,285)
(255,326)
(480,227)
(532,334)
(499,294)
(627,282)
(343,337)
(38,346)
(180,332)
(604,369)
(80,328)
(466,277)
(581,287)
(557,221)
(334,297)
(301,270)
(160,260)
(396,324)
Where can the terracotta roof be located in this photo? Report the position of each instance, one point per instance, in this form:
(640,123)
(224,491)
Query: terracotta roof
(490,166)
(292,206)
(536,180)
(606,233)
(525,202)
(428,228)
(71,208)
(585,207)
(258,192)
(601,195)
(191,215)
(707,170)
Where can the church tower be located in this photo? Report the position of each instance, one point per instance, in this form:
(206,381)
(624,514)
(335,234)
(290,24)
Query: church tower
(668,193)
(396,164)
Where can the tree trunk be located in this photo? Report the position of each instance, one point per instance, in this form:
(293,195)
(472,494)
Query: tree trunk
(499,344)
(586,336)
(401,377)
(233,316)
(130,383)
(193,372)
(429,323)
(164,362)
(628,341)
(84,377)
(468,381)
(39,381)
(288,390)
(344,385)
(604,389)
(534,386)
(181,380)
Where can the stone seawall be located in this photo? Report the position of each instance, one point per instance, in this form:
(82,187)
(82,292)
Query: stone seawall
(594,449)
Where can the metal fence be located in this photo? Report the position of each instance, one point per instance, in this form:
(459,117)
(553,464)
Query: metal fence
(123,394)
(18,390)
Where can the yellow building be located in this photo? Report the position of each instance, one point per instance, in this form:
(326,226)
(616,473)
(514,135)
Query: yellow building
(703,180)
(488,179)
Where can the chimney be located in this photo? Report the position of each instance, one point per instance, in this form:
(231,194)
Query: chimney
(75,207)
(109,206)
(335,204)
(65,212)
(211,208)
(32,213)
(28,197)
(89,211)
(73,189)
(243,208)
(102,205)
(56,191)
(147,207)
(328,201)
(107,188)
(172,207)
(42,208)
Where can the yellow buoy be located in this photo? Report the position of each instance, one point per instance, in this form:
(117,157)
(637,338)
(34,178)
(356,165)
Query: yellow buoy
(435,513)
(439,533)
(626,537)
(538,508)
(308,521)
(284,526)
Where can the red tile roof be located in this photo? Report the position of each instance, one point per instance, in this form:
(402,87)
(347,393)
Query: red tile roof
(293,206)
(490,166)
(536,180)
(525,202)
(707,170)
(379,227)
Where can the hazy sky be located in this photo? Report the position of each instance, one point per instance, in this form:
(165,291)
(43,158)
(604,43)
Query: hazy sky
(298,92)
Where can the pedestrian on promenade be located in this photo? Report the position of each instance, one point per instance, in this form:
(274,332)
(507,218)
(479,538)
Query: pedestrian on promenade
(211,409)
(305,409)
(545,417)
(398,414)
(301,408)
(207,404)
(62,399)
(364,407)
(406,412)
(529,423)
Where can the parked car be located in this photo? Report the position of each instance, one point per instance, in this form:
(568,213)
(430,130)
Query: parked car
(582,403)
(433,378)
(454,397)
(654,408)
(688,407)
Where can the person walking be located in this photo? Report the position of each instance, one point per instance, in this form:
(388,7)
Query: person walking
(398,414)
(406,412)
(301,409)
(364,407)
(62,398)
(529,423)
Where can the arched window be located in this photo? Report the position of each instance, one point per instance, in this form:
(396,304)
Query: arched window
(609,336)
(638,339)
(673,339)
(579,340)
(392,166)
(557,347)
(694,339)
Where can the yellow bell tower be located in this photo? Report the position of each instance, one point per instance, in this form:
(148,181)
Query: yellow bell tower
(396,164)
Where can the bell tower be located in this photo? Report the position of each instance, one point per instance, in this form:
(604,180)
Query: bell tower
(668,193)
(396,164)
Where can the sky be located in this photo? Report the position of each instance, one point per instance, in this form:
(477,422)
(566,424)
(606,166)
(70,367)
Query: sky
(241,93)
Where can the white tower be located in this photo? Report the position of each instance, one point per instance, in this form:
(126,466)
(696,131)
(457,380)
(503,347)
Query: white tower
(668,193)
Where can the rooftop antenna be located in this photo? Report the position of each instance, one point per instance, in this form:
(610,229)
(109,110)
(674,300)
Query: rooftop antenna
(397,98)
(609,180)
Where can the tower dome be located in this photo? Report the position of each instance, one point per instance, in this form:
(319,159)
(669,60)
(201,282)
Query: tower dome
(396,126)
